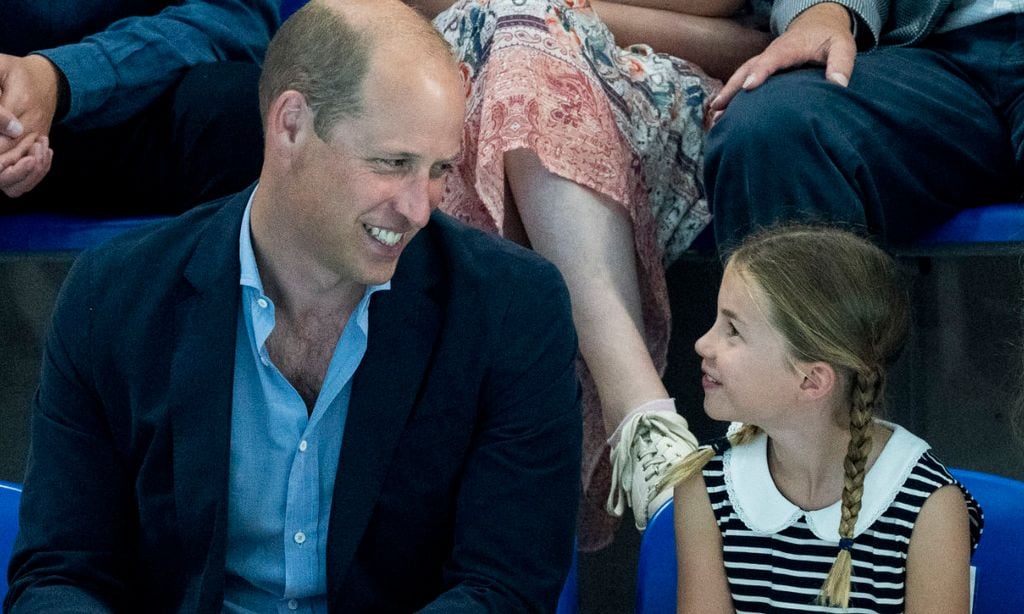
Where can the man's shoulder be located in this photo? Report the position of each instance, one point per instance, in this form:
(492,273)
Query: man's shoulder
(161,242)
(156,255)
(477,255)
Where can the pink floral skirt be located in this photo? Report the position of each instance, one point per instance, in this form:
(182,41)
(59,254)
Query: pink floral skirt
(627,123)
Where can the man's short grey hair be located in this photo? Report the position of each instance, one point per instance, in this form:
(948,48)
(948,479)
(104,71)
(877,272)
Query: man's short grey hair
(319,54)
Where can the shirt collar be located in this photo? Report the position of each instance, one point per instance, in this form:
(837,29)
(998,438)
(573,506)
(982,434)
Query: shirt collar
(765,510)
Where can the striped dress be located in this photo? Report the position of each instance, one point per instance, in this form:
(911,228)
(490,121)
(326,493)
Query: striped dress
(777,555)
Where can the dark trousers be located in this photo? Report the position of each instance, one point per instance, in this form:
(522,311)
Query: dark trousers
(919,134)
(201,140)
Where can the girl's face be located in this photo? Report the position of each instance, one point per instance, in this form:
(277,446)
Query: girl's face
(748,373)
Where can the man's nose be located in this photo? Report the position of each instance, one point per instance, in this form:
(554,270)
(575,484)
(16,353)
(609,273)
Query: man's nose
(418,200)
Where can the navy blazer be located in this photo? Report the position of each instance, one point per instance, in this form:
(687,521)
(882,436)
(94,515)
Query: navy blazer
(457,484)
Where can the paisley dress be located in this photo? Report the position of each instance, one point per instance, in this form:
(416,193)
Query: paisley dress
(627,123)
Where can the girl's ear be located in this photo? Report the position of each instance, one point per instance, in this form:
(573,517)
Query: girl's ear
(820,379)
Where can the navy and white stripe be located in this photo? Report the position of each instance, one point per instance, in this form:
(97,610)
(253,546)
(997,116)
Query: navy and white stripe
(783,571)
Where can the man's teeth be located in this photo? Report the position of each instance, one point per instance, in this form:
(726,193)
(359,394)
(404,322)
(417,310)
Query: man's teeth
(387,237)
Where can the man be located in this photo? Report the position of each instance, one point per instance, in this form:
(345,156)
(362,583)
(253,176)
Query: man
(384,418)
(129,106)
(913,113)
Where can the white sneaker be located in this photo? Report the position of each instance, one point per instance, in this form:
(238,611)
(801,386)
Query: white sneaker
(649,445)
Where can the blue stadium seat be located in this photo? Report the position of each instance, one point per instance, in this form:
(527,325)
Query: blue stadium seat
(656,574)
(290,6)
(53,233)
(569,600)
(999,559)
(991,224)
(10,497)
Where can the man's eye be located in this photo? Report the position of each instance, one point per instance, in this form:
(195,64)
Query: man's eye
(440,170)
(731,330)
(392,163)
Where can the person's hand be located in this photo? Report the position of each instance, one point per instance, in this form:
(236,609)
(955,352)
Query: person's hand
(32,163)
(28,101)
(820,35)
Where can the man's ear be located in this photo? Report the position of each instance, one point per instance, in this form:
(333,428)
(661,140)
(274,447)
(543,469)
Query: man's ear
(820,378)
(289,120)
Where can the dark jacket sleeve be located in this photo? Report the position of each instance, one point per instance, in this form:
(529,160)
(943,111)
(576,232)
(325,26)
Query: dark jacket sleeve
(517,502)
(72,550)
(117,72)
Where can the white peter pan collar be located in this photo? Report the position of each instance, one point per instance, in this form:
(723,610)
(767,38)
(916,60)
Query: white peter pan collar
(765,510)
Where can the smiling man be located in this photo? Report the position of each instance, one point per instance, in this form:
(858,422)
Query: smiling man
(318,395)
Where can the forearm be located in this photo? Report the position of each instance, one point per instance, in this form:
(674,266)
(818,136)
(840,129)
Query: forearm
(707,8)
(867,12)
(430,8)
(717,45)
(115,73)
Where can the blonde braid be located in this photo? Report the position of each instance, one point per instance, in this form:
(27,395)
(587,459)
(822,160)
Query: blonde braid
(696,460)
(866,390)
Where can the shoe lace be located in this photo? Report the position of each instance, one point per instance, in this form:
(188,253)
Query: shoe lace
(621,455)
(657,441)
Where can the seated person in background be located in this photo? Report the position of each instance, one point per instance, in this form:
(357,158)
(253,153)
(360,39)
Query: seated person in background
(129,106)
(591,154)
(815,502)
(892,141)
(304,396)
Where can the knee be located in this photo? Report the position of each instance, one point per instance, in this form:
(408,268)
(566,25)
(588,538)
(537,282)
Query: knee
(789,119)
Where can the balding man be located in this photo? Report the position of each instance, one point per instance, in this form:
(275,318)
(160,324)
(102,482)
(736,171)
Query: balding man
(316,395)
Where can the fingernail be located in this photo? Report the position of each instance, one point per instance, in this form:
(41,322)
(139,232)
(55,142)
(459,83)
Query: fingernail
(747,81)
(14,128)
(839,79)
(714,101)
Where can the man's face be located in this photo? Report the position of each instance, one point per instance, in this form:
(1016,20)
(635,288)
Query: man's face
(362,194)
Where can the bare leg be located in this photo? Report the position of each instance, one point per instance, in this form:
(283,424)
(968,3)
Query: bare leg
(590,239)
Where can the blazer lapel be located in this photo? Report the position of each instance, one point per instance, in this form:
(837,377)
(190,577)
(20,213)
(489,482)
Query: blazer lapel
(201,383)
(404,325)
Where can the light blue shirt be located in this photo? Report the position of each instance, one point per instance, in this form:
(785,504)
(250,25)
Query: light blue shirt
(283,461)
(963,13)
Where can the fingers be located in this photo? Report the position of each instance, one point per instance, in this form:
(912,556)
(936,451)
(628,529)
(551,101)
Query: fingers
(11,130)
(782,53)
(730,89)
(842,54)
(9,124)
(16,150)
(27,172)
(838,53)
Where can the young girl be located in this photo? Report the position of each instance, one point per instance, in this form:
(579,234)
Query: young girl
(813,504)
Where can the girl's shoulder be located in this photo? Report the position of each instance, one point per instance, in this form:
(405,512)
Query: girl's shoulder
(902,478)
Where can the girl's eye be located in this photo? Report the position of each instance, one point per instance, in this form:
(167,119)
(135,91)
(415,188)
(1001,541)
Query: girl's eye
(731,330)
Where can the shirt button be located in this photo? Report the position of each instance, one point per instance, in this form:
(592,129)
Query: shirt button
(300,537)
(293,604)
(303,445)
(262,302)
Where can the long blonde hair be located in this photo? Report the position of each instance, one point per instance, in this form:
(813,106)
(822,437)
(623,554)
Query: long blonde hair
(836,298)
